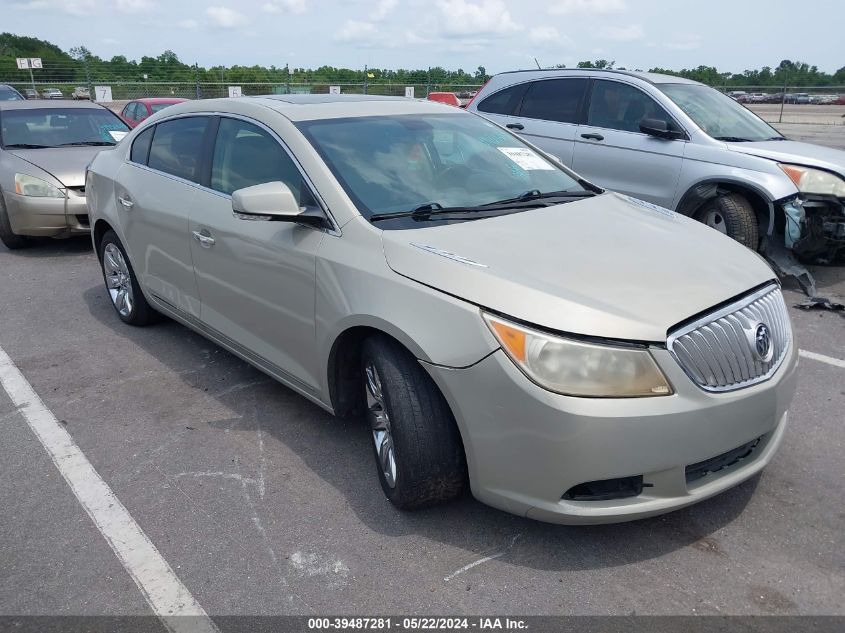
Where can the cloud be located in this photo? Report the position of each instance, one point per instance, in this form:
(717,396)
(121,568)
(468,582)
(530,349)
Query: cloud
(383,8)
(599,7)
(356,31)
(285,6)
(487,17)
(134,6)
(225,18)
(74,7)
(630,33)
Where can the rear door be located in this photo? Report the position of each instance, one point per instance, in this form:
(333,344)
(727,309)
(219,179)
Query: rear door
(611,151)
(155,190)
(256,278)
(546,112)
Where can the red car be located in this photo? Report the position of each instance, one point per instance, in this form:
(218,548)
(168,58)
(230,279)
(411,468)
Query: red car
(449,98)
(136,111)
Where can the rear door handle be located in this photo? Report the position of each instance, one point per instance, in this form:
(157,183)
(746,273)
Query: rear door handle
(515,126)
(206,241)
(593,136)
(126,202)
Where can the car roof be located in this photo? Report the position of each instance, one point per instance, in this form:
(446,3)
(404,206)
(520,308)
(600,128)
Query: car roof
(47,104)
(154,100)
(653,78)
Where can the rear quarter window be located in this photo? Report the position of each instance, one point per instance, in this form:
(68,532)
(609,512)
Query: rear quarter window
(505,101)
(141,146)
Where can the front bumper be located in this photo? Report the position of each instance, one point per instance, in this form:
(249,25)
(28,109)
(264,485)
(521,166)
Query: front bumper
(48,217)
(526,446)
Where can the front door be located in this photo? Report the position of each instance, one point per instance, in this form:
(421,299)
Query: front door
(256,278)
(611,151)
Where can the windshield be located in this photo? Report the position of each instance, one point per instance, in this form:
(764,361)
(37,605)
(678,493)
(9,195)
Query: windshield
(58,127)
(718,115)
(391,164)
(9,94)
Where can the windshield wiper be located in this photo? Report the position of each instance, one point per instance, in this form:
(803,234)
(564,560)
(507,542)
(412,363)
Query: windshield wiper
(528,200)
(777,138)
(87,143)
(27,146)
(732,139)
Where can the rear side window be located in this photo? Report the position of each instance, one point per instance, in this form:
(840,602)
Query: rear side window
(141,147)
(554,100)
(505,101)
(245,155)
(618,106)
(177,147)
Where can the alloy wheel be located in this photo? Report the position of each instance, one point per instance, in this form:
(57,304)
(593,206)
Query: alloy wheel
(118,280)
(380,424)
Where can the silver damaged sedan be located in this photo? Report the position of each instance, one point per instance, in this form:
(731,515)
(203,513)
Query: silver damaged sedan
(568,354)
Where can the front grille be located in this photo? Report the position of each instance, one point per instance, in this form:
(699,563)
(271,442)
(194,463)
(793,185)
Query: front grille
(720,462)
(723,350)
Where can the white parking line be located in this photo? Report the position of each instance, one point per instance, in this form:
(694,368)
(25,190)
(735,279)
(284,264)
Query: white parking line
(822,358)
(165,593)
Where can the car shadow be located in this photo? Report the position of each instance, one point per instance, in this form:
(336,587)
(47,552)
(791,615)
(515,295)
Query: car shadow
(44,247)
(338,451)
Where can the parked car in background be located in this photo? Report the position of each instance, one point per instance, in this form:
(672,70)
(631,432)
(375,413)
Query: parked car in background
(51,93)
(502,324)
(681,145)
(7,93)
(449,98)
(138,110)
(80,93)
(44,149)
(31,93)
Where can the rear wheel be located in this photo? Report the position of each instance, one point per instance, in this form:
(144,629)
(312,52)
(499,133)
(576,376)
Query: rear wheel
(417,447)
(121,283)
(10,239)
(734,216)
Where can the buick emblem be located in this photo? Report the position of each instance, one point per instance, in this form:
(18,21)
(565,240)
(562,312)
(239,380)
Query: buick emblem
(763,343)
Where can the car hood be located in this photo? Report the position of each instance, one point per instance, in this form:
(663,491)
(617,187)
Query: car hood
(66,164)
(797,153)
(609,266)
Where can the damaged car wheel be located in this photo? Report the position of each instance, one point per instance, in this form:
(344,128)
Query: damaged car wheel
(732,215)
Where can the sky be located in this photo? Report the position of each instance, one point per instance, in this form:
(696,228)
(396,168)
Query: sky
(732,35)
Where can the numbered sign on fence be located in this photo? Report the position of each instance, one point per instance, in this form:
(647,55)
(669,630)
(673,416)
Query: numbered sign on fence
(409,92)
(102,93)
(235,91)
(334,90)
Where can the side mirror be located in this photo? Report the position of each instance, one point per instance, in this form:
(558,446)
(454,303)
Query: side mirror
(659,128)
(272,201)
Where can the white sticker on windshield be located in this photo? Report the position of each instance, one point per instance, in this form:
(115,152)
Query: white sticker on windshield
(117,134)
(526,158)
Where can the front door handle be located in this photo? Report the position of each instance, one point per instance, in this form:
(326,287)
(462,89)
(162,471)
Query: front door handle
(206,241)
(593,136)
(515,126)
(126,202)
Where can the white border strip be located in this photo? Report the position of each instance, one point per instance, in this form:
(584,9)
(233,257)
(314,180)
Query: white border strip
(162,589)
(822,358)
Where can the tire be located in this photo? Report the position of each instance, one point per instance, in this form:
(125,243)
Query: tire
(120,280)
(428,464)
(9,239)
(732,215)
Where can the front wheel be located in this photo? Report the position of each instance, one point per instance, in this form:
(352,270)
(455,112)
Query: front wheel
(734,216)
(121,283)
(416,443)
(7,236)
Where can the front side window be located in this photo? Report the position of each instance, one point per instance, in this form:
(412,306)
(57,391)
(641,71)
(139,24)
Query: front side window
(246,155)
(389,164)
(619,106)
(177,147)
(554,100)
(718,115)
(60,127)
(505,101)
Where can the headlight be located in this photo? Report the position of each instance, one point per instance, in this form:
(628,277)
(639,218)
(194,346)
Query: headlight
(31,186)
(814,180)
(576,368)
